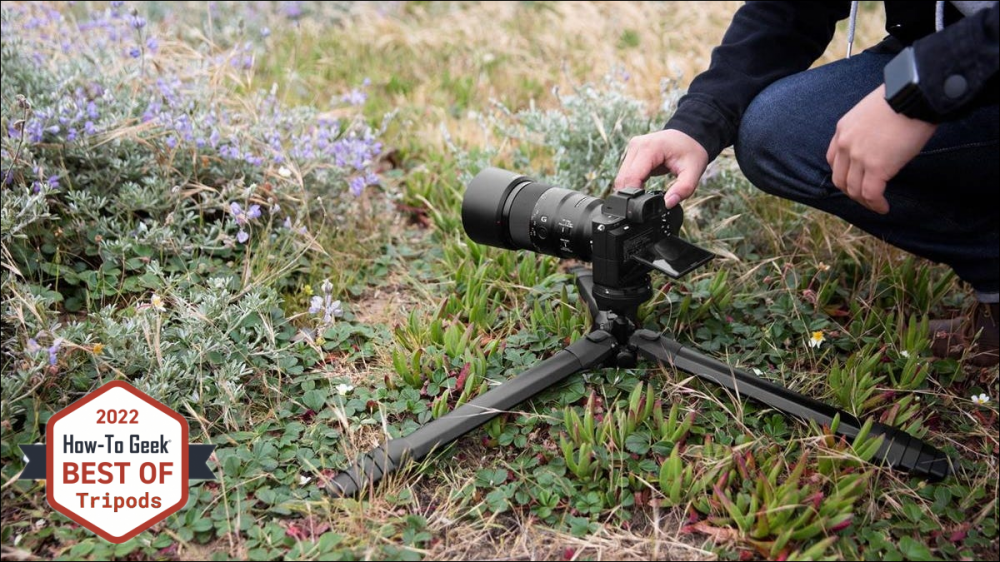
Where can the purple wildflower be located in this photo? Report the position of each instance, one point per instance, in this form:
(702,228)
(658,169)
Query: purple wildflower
(355,97)
(293,10)
(135,52)
(137,22)
(32,346)
(243,217)
(35,130)
(357,184)
(242,237)
(53,350)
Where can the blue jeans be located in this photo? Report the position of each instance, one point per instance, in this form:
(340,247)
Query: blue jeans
(940,203)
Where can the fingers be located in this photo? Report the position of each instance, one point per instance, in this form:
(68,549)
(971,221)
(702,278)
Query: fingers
(873,193)
(831,151)
(659,153)
(850,176)
(841,165)
(855,174)
(640,160)
(687,181)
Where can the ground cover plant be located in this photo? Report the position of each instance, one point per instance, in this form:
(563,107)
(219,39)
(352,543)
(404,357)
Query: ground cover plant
(251,212)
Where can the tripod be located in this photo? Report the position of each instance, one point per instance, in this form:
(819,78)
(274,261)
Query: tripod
(616,341)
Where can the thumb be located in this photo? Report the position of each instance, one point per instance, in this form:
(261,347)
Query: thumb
(684,185)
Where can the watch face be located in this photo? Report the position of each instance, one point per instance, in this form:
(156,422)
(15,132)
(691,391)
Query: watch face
(900,73)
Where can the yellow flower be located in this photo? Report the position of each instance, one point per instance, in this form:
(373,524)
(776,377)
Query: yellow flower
(98,348)
(157,303)
(320,340)
(817,339)
(308,290)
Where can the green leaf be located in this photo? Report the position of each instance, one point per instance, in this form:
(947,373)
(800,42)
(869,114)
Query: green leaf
(231,465)
(82,549)
(490,478)
(942,496)
(328,541)
(315,400)
(259,554)
(126,548)
(914,550)
(638,443)
(913,511)
(579,526)
(497,500)
(74,304)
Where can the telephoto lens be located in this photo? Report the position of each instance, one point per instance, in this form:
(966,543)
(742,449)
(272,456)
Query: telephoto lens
(511,211)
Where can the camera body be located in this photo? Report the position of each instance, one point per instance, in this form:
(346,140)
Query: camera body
(626,236)
(631,222)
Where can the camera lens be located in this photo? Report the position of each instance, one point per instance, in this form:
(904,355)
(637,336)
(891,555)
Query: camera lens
(507,210)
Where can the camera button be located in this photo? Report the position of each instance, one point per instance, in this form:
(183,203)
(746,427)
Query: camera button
(598,336)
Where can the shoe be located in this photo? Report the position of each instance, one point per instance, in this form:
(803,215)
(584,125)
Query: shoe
(975,337)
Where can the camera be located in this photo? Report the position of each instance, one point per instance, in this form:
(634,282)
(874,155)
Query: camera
(624,236)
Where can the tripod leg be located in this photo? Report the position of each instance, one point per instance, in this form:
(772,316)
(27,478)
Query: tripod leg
(898,449)
(582,354)
(585,286)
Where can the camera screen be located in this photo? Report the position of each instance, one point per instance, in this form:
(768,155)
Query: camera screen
(676,258)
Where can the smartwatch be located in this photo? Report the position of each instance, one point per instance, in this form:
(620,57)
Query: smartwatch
(902,87)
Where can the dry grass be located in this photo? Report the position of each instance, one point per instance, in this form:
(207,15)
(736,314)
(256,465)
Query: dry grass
(517,53)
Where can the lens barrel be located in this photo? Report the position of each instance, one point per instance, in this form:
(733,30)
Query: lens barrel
(512,211)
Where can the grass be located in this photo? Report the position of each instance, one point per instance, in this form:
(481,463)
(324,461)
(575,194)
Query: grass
(629,464)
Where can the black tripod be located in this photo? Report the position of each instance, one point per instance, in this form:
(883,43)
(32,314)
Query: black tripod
(615,341)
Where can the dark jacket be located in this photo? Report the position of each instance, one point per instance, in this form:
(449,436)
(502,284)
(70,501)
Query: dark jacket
(767,41)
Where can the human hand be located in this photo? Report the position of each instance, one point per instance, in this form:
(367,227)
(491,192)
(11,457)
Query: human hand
(871,146)
(656,154)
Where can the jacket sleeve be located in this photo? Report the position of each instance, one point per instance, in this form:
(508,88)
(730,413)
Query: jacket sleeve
(957,66)
(765,42)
